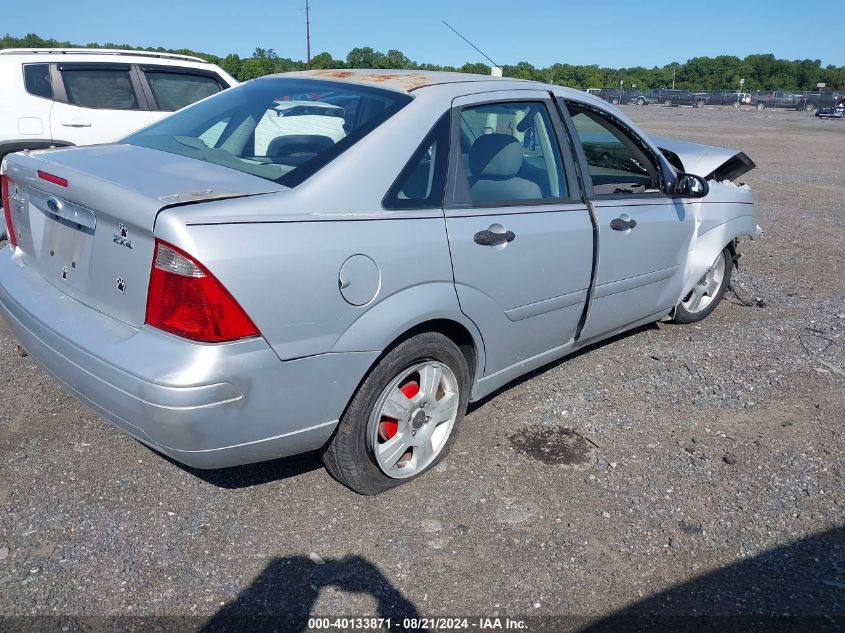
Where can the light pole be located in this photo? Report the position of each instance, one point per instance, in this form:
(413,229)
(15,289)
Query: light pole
(308,33)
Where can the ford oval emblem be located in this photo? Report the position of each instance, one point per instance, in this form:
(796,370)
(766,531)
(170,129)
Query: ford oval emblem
(54,205)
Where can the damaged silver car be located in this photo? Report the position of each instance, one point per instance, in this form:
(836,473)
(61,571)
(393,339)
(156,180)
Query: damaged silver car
(342,260)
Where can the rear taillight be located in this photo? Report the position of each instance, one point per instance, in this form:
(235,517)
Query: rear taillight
(187,300)
(5,187)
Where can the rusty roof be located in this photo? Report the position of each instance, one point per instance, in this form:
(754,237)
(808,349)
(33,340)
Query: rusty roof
(401,80)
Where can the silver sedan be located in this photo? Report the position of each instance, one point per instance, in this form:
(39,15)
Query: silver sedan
(342,260)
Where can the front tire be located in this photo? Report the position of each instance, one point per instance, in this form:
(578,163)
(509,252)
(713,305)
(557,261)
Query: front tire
(761,106)
(707,294)
(404,417)
(809,107)
(668,103)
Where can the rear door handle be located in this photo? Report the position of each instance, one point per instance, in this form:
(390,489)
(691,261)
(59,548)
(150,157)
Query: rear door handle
(77,123)
(622,224)
(491,238)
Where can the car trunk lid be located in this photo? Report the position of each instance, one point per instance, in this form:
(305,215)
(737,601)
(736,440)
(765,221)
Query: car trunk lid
(84,217)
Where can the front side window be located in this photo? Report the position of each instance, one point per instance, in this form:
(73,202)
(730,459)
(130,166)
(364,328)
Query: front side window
(279,129)
(173,91)
(37,80)
(103,89)
(617,164)
(510,154)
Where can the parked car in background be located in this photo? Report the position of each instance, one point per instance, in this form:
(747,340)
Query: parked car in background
(777,99)
(812,101)
(62,97)
(728,97)
(227,297)
(671,97)
(634,97)
(611,95)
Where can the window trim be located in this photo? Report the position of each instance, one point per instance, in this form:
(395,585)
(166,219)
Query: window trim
(60,91)
(457,181)
(149,95)
(49,74)
(439,133)
(587,180)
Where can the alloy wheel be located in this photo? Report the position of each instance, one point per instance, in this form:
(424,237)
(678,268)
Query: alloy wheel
(702,295)
(413,419)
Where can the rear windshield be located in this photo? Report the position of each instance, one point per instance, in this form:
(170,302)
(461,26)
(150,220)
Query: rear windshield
(279,129)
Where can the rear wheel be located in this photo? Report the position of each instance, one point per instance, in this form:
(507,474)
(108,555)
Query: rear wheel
(667,103)
(761,106)
(707,294)
(699,103)
(809,107)
(403,419)
(641,101)
(614,101)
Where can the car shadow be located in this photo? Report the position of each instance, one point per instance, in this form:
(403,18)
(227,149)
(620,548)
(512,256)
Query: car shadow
(249,475)
(796,587)
(282,597)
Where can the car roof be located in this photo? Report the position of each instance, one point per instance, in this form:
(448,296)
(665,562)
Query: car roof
(408,81)
(106,52)
(399,80)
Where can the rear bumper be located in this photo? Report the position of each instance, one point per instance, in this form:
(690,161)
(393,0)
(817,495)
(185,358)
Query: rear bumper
(207,406)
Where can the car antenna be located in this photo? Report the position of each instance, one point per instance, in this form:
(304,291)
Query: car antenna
(495,70)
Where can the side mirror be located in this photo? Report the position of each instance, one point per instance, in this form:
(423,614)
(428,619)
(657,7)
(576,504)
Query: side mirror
(690,186)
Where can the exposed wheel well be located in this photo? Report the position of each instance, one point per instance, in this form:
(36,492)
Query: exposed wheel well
(452,330)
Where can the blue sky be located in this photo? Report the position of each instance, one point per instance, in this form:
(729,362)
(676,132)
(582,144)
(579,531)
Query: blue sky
(612,33)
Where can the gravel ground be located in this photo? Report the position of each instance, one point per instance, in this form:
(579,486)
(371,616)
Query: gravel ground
(673,470)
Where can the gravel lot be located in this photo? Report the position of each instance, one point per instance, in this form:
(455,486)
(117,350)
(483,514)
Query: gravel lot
(674,470)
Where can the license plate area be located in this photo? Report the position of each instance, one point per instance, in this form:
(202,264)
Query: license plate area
(63,239)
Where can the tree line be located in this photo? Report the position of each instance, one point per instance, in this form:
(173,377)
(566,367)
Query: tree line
(760,71)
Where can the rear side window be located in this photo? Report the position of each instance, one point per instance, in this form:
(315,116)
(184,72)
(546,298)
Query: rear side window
(421,183)
(37,80)
(510,154)
(174,91)
(107,89)
(275,128)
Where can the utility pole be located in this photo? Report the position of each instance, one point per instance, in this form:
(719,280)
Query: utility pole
(673,77)
(308,33)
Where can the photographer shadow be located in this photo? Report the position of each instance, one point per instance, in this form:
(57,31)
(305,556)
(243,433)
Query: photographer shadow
(282,596)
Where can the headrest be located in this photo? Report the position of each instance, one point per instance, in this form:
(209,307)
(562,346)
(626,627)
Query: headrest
(495,156)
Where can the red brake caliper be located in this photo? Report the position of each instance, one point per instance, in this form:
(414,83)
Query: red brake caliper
(389,426)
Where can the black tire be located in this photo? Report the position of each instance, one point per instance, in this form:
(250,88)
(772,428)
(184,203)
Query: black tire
(761,106)
(614,101)
(682,315)
(347,455)
(810,107)
(668,103)
(641,101)
(699,103)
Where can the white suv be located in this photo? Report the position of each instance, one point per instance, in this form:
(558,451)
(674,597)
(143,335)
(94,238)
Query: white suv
(58,97)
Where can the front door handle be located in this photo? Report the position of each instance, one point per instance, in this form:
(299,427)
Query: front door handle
(492,238)
(622,224)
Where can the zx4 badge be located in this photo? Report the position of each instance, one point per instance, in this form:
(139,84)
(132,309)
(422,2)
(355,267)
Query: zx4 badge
(121,237)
